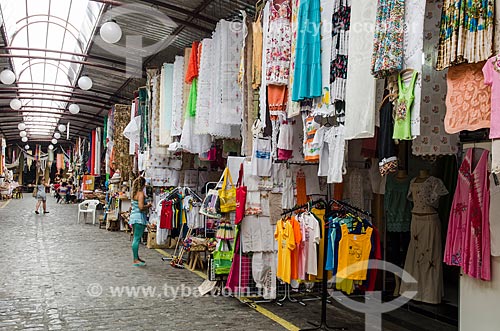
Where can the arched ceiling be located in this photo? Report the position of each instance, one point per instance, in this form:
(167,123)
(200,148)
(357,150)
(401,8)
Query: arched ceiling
(49,44)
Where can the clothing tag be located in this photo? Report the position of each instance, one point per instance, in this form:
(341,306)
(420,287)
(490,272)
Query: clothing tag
(495,178)
(355,237)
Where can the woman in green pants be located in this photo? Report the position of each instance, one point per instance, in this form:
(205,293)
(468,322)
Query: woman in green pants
(138,218)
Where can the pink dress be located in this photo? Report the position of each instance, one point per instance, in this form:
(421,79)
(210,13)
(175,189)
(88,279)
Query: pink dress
(468,240)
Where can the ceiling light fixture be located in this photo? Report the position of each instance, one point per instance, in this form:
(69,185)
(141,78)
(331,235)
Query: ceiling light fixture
(85,83)
(54,141)
(15,104)
(51,147)
(74,108)
(27,147)
(24,139)
(21,126)
(111,32)
(7,77)
(23,134)
(57,135)
(62,127)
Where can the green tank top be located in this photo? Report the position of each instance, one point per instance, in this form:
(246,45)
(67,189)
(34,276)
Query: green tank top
(402,117)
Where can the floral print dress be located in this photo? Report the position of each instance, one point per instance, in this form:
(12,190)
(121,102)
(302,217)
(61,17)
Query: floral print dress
(279,43)
(466,32)
(389,38)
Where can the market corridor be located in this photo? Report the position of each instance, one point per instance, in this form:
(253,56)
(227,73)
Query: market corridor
(53,269)
(57,275)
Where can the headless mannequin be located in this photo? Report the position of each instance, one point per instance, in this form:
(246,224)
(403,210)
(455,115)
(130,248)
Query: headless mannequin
(422,176)
(402,174)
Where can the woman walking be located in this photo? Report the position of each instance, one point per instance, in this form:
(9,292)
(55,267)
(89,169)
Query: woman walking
(138,218)
(41,195)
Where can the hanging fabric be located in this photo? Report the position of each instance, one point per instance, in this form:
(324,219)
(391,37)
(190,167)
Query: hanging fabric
(307,76)
(177,98)
(205,83)
(278,43)
(360,88)
(433,139)
(166,96)
(466,32)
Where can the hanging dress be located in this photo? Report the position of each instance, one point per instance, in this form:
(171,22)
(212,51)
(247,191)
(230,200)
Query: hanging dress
(388,43)
(279,43)
(466,32)
(468,240)
(402,120)
(307,74)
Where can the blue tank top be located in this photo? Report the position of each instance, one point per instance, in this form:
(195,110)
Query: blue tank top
(136,215)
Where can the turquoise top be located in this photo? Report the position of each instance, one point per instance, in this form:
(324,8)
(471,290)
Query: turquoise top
(137,216)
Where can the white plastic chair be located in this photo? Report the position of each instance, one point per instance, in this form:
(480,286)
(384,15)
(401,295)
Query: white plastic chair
(88,206)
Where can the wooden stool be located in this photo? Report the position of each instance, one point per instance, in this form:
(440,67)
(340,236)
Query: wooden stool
(195,259)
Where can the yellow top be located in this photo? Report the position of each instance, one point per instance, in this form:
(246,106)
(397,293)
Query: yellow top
(354,253)
(286,244)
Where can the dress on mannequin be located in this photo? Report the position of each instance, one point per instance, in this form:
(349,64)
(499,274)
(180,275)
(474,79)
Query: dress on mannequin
(424,257)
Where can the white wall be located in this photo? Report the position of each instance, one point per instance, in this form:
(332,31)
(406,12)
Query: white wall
(480,301)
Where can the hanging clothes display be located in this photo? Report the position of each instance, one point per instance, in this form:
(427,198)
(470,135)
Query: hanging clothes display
(466,32)
(230,101)
(491,72)
(388,45)
(293,108)
(468,240)
(311,151)
(468,101)
(386,147)
(396,205)
(494,212)
(166,96)
(201,122)
(331,143)
(360,87)
(340,46)
(402,121)
(257,48)
(323,106)
(413,47)
(278,43)
(177,98)
(423,260)
(433,139)
(307,74)
(226,101)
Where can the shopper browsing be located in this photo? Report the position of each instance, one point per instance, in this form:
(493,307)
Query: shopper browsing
(41,195)
(138,218)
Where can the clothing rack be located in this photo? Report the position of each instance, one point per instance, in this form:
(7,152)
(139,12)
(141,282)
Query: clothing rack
(315,202)
(323,325)
(345,204)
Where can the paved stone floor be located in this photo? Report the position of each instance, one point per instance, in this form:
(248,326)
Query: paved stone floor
(59,275)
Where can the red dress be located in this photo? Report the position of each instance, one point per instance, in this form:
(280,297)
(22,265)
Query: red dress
(468,240)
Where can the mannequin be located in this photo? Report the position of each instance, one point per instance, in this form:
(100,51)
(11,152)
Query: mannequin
(424,257)
(398,218)
(423,174)
(402,174)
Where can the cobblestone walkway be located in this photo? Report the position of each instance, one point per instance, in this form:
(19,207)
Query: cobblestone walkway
(53,272)
(59,275)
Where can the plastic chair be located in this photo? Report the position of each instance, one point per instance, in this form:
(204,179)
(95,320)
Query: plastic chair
(88,206)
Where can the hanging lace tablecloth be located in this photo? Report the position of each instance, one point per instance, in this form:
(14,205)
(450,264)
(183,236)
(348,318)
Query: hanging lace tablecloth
(202,122)
(177,96)
(230,105)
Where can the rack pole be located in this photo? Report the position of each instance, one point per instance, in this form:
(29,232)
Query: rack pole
(324,293)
